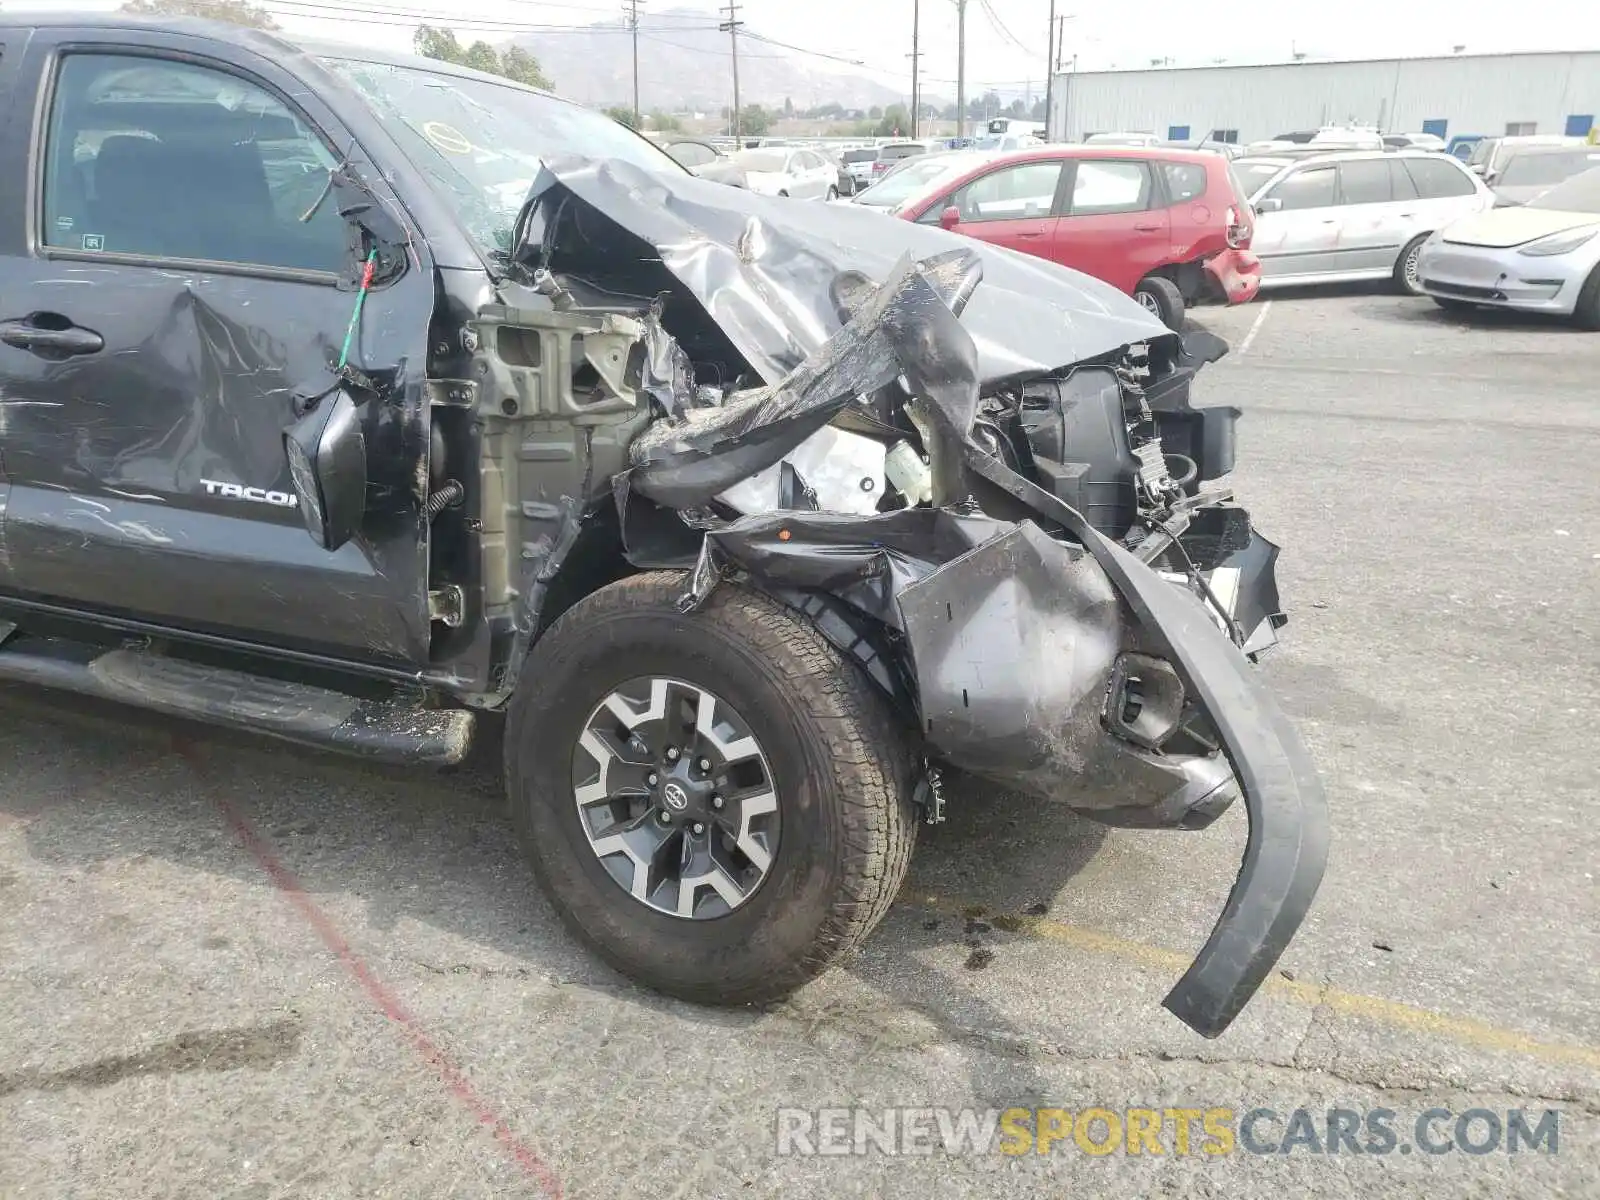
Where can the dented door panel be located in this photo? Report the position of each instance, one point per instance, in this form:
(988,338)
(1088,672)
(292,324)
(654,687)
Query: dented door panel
(148,472)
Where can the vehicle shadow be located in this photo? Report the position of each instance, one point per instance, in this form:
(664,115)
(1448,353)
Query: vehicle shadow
(1426,312)
(94,784)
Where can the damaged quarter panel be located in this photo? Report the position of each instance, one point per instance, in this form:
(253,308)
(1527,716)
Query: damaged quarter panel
(146,456)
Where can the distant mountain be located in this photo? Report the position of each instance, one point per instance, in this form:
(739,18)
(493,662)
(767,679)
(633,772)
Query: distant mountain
(685,64)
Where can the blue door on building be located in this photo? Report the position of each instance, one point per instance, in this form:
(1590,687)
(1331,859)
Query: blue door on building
(1437,127)
(1579,125)
(1180,133)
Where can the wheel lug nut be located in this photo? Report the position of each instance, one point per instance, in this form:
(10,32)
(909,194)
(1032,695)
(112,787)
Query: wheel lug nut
(672,754)
(699,828)
(705,764)
(716,803)
(654,779)
(664,817)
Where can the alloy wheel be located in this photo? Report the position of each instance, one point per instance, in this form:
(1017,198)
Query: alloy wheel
(1412,274)
(676,797)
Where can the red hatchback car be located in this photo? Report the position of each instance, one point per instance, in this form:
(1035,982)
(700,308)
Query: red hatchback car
(1169,227)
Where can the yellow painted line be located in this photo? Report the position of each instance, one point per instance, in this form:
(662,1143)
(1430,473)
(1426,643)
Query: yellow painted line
(1350,1004)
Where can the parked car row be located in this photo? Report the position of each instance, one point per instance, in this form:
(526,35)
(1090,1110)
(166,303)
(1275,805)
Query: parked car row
(1174,226)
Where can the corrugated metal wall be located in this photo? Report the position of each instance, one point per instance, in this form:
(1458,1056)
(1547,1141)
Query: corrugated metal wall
(1475,94)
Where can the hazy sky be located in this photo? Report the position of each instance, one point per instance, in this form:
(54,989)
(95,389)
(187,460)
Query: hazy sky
(877,33)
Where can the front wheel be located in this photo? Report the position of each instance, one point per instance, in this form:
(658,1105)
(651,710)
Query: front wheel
(1407,279)
(833,194)
(1161,296)
(717,803)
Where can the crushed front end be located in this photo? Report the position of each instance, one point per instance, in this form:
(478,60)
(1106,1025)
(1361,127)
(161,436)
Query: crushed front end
(1024,543)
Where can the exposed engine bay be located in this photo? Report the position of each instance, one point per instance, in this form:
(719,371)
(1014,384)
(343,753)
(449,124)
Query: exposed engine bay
(981,479)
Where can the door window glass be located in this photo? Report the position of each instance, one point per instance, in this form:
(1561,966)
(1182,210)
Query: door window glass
(1011,193)
(1306,189)
(1438,177)
(1400,183)
(1364,181)
(1101,187)
(163,158)
(1185,181)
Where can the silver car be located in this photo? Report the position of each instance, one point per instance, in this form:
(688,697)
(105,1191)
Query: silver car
(789,171)
(1536,170)
(1353,215)
(1489,155)
(1542,256)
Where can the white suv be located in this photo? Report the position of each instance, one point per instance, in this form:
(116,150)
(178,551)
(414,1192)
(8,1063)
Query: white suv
(1354,215)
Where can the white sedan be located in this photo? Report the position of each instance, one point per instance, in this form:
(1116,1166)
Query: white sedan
(789,171)
(1542,256)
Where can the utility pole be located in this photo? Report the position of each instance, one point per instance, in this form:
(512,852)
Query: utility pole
(731,28)
(916,61)
(1049,68)
(961,69)
(632,10)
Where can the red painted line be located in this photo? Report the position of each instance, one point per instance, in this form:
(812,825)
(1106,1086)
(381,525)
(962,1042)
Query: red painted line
(382,998)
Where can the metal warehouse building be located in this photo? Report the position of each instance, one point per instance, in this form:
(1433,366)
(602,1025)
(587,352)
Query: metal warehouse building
(1485,94)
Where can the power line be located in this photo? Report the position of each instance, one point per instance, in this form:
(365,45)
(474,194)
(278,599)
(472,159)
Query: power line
(758,37)
(994,19)
(397,16)
(745,56)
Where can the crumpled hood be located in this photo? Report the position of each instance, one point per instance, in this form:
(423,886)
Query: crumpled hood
(764,269)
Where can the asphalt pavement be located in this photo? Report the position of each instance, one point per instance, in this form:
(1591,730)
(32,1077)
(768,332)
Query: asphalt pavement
(232,969)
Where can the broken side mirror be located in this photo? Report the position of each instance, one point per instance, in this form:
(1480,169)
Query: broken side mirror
(950,218)
(1268,204)
(327,453)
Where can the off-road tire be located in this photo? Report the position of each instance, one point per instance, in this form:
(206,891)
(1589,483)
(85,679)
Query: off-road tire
(1587,313)
(1406,281)
(841,762)
(1162,297)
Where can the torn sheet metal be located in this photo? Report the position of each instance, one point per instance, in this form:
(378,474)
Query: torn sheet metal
(765,269)
(1020,643)
(685,463)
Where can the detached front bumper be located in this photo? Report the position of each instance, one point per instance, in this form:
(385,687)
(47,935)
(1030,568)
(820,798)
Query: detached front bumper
(1022,650)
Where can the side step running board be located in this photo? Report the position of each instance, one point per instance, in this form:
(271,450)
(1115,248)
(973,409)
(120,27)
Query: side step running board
(389,730)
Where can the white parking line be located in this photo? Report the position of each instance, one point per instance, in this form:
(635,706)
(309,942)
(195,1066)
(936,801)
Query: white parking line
(1255,327)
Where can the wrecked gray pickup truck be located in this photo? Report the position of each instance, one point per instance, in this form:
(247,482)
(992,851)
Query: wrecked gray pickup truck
(751,517)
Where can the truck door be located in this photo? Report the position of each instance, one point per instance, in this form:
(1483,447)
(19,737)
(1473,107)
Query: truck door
(178,289)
